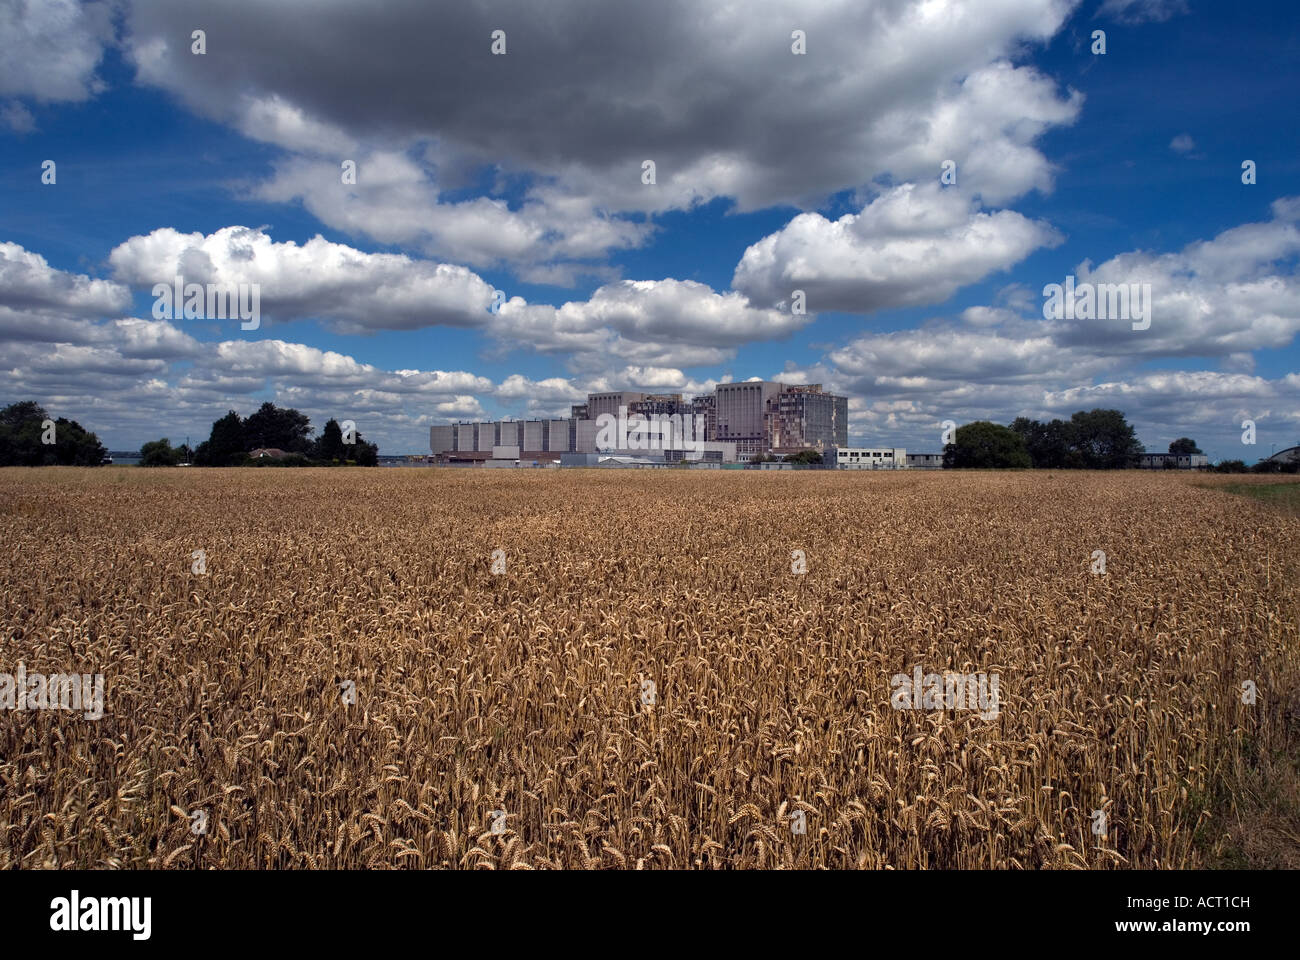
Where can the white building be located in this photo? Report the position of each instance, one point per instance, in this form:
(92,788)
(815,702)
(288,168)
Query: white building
(866,458)
(925,461)
(1174,461)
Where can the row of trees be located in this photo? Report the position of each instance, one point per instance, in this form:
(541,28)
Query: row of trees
(1089,440)
(161,453)
(281,428)
(1262,466)
(30,438)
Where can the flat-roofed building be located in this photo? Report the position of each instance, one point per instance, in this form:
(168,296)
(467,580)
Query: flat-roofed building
(752,417)
(866,458)
(741,415)
(803,417)
(708,451)
(660,404)
(442,438)
(602,403)
(1174,461)
(508,433)
(557,436)
(706,406)
(533,438)
(925,461)
(584,440)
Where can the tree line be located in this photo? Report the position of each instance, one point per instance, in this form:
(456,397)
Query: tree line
(29,437)
(233,438)
(1090,440)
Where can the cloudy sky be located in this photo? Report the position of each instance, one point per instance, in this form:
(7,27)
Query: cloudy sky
(501,252)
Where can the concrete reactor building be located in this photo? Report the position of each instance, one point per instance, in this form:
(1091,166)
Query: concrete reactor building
(738,422)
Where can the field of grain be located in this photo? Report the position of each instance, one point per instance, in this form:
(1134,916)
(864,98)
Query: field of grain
(227,739)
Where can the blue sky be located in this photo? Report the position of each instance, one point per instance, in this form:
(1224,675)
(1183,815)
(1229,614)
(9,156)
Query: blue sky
(522,173)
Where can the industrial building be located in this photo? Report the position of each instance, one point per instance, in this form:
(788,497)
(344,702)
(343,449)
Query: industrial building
(740,410)
(804,418)
(706,406)
(762,417)
(741,421)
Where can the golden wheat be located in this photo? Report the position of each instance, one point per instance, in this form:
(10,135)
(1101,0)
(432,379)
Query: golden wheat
(505,721)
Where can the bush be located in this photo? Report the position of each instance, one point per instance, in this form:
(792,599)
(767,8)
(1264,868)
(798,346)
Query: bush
(1231,466)
(159,453)
(23,435)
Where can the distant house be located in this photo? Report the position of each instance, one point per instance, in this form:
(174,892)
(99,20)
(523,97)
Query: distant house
(1174,461)
(275,453)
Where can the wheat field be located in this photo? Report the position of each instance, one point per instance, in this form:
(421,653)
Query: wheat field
(507,720)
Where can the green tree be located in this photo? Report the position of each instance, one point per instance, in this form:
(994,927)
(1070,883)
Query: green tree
(280,427)
(1105,440)
(23,436)
(1231,466)
(1184,446)
(159,453)
(983,444)
(329,446)
(366,454)
(1050,445)
(225,445)
(805,457)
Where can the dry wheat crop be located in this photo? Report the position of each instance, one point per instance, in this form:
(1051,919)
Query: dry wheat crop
(525,691)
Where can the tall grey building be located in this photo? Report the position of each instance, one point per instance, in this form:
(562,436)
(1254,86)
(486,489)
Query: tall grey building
(601,403)
(706,406)
(741,410)
(802,417)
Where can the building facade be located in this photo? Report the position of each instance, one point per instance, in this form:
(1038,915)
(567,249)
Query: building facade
(741,421)
(659,405)
(741,415)
(866,458)
(706,406)
(805,418)
(925,461)
(1174,461)
(602,403)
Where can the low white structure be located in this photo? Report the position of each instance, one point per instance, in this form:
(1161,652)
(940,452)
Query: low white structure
(1174,461)
(866,458)
(925,461)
